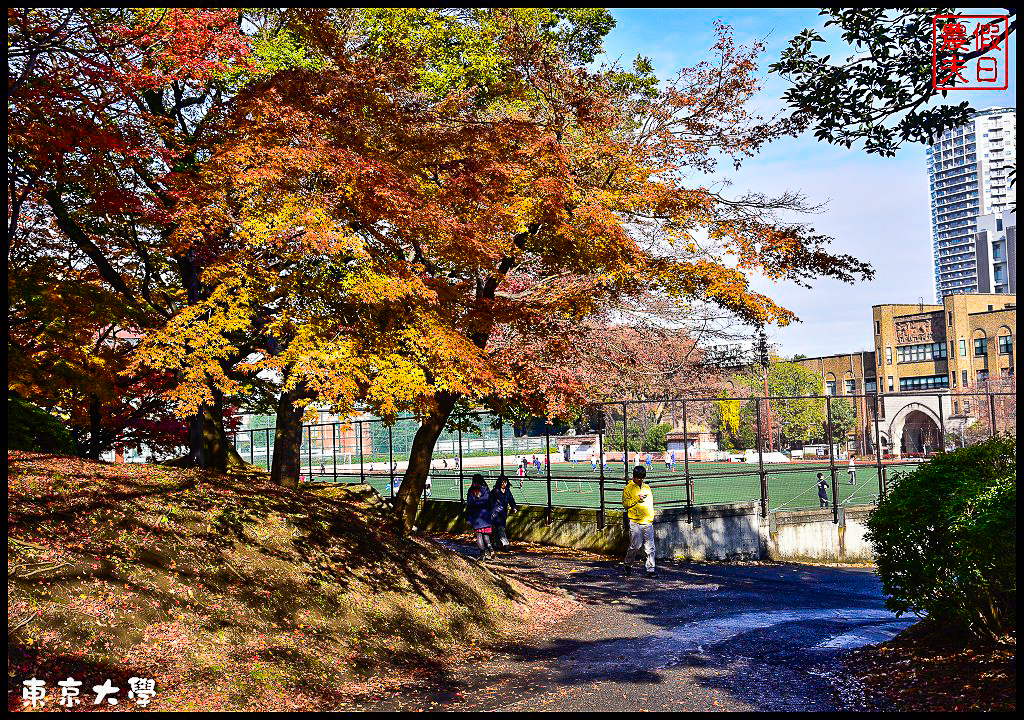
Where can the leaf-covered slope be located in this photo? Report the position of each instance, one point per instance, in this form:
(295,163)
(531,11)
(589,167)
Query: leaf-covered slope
(230,592)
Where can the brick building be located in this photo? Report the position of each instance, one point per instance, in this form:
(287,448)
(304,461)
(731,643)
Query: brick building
(926,362)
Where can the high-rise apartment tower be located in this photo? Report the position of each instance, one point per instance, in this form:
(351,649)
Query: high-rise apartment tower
(968,174)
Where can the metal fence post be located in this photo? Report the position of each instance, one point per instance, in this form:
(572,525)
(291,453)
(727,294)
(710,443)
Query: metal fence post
(600,482)
(992,412)
(832,459)
(760,461)
(334,450)
(878,449)
(625,466)
(460,444)
(391,459)
(501,446)
(686,470)
(252,446)
(462,476)
(625,445)
(309,451)
(362,476)
(547,464)
(942,428)
(267,431)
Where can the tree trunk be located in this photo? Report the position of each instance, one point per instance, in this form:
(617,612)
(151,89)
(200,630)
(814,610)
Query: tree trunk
(288,439)
(209,447)
(407,500)
(93,453)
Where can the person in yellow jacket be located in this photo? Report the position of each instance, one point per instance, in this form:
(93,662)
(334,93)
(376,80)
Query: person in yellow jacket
(638,501)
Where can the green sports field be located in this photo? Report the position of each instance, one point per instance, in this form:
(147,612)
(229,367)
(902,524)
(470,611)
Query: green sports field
(791,486)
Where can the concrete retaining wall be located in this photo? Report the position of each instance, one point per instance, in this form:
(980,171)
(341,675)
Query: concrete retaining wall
(569,527)
(810,535)
(711,532)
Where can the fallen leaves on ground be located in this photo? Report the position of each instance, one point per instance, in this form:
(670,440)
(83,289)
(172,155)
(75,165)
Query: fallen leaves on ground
(929,669)
(236,594)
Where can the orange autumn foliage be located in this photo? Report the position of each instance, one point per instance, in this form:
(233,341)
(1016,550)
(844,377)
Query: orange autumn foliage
(387,239)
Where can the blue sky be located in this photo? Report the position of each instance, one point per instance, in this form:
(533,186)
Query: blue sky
(877,208)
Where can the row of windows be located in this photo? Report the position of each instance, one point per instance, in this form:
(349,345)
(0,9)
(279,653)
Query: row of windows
(850,385)
(924,383)
(920,353)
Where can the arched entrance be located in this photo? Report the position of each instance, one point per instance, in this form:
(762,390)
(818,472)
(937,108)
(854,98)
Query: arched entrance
(920,434)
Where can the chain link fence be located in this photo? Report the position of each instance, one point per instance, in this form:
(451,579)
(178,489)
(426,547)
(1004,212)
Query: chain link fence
(779,453)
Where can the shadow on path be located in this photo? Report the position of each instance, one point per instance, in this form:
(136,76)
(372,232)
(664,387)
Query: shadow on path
(700,636)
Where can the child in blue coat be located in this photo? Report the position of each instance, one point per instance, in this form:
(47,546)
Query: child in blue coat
(478,514)
(502,503)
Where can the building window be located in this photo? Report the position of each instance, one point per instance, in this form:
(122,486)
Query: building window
(1006,344)
(870,386)
(921,353)
(963,378)
(830,387)
(891,385)
(952,378)
(982,375)
(888,356)
(950,318)
(980,347)
(878,327)
(931,382)
(851,387)
(963,348)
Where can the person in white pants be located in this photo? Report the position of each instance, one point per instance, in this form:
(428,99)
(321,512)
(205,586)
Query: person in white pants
(853,472)
(638,500)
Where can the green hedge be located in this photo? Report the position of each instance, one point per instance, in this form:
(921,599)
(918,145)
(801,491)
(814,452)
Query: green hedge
(32,428)
(945,539)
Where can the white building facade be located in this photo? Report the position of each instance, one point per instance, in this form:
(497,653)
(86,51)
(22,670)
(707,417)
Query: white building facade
(968,174)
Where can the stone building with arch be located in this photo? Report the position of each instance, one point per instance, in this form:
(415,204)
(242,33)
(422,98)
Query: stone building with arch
(926,362)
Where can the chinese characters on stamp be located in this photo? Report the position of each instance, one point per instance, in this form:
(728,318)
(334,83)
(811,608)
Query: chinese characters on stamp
(970,52)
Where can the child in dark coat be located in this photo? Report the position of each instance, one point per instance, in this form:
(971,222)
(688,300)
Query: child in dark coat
(822,491)
(502,503)
(478,514)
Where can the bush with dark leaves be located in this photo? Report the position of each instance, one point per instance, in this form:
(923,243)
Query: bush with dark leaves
(945,539)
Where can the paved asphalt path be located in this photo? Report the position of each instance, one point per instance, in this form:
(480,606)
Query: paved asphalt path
(699,637)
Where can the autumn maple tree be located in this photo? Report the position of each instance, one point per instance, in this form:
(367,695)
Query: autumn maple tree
(111,111)
(395,232)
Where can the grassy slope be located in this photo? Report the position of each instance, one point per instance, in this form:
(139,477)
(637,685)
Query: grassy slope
(228,591)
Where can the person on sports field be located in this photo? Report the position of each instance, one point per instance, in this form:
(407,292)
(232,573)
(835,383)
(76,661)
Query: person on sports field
(822,491)
(853,471)
(649,460)
(638,501)
(593,462)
